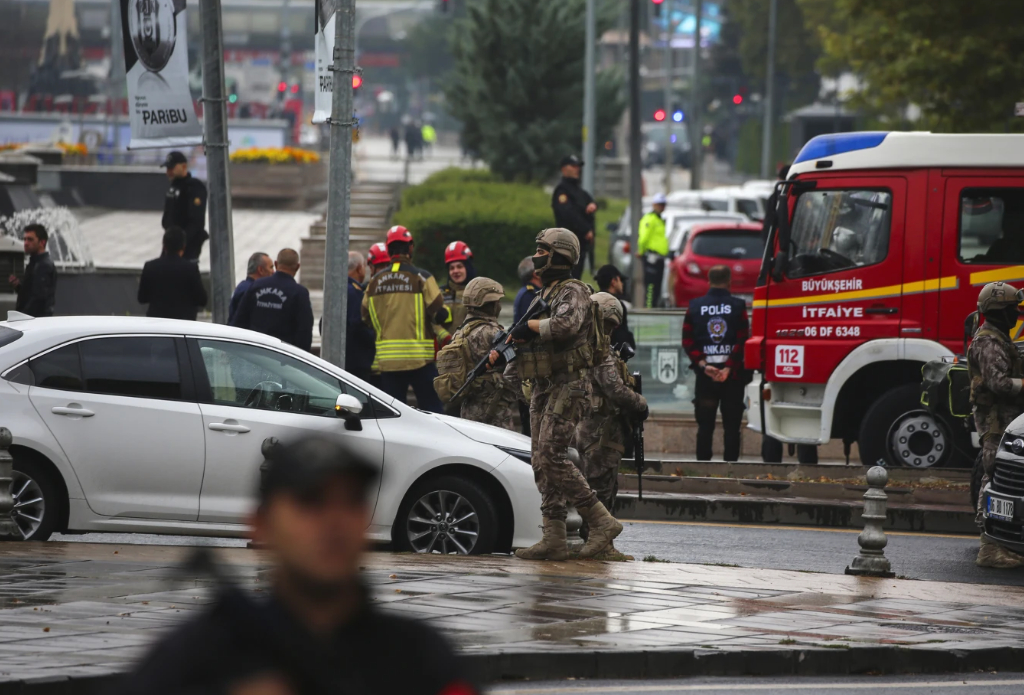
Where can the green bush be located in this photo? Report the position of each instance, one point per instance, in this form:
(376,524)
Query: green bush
(499,222)
(457,175)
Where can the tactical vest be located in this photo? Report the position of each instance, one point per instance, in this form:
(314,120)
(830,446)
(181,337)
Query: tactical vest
(563,360)
(983,398)
(457,311)
(603,407)
(454,362)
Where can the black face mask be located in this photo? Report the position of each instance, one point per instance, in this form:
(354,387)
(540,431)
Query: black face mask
(541,262)
(1003,319)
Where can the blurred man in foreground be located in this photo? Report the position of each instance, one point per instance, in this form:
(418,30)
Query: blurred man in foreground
(317,631)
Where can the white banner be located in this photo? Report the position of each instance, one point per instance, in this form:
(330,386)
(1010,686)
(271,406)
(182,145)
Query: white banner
(323,42)
(160,104)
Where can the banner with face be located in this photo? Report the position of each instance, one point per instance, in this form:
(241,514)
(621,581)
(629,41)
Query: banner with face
(323,42)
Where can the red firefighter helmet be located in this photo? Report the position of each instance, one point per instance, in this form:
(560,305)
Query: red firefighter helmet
(457,251)
(399,233)
(378,254)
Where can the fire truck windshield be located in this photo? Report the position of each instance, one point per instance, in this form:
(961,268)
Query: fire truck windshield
(837,230)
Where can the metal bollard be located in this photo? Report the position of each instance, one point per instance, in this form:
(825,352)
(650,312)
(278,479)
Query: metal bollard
(9,529)
(872,561)
(573,524)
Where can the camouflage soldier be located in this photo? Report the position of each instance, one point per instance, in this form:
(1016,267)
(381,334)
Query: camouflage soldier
(491,399)
(557,352)
(996,381)
(601,437)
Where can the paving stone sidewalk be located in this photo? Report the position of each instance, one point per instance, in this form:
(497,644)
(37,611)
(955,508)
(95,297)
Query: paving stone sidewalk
(86,610)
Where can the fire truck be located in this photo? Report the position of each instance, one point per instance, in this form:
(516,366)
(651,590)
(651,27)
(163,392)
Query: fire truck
(880,245)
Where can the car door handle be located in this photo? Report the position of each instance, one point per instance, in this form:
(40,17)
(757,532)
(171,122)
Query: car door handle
(228,427)
(881,310)
(71,410)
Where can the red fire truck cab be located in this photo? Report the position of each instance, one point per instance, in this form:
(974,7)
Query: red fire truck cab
(881,244)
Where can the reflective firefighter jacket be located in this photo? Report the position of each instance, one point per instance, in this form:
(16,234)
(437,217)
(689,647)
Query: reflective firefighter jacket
(400,304)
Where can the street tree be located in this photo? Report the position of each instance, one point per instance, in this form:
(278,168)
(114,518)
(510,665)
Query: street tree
(517,86)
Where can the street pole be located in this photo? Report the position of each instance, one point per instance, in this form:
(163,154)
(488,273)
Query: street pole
(116,75)
(590,100)
(339,192)
(636,182)
(769,94)
(667,185)
(696,137)
(215,122)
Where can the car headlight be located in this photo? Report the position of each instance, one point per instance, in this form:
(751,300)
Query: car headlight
(520,454)
(1014,443)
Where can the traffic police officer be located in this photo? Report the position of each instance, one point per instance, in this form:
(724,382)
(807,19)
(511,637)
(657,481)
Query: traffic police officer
(996,373)
(185,204)
(279,306)
(714,330)
(557,351)
(574,210)
(653,250)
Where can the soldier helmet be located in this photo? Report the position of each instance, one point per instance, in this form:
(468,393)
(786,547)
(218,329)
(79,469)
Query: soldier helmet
(611,309)
(561,241)
(998,295)
(480,291)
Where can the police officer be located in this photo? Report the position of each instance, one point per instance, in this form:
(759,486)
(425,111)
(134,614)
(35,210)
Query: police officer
(996,383)
(574,209)
(400,303)
(557,350)
(185,204)
(458,259)
(601,437)
(714,331)
(278,305)
(653,250)
(491,398)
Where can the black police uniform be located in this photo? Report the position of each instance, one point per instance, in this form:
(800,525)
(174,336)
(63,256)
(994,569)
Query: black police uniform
(185,207)
(570,201)
(714,331)
(278,306)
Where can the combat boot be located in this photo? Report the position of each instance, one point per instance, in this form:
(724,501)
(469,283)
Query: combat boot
(604,528)
(993,555)
(552,545)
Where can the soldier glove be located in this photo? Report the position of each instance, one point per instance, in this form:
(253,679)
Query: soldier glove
(644,415)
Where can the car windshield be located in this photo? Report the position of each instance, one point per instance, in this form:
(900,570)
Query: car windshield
(657,134)
(682,224)
(735,245)
(839,230)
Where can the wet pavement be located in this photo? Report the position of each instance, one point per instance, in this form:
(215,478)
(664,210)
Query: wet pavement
(92,609)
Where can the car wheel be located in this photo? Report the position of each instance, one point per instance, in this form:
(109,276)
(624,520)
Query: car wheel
(898,431)
(36,500)
(447,515)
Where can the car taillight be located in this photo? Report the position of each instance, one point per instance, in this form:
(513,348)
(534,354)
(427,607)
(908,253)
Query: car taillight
(693,269)
(625,248)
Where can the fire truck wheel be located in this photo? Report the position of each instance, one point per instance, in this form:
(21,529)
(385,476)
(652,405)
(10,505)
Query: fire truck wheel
(898,431)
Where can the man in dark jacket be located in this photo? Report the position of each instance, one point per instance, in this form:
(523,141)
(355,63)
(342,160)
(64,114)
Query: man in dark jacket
(360,340)
(574,209)
(260,266)
(170,284)
(315,630)
(37,288)
(185,204)
(611,280)
(278,305)
(531,286)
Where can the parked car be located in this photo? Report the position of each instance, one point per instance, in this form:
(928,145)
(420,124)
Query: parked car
(130,424)
(722,199)
(1002,498)
(737,245)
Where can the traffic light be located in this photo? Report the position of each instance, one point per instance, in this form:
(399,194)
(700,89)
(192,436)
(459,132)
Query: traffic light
(657,8)
(295,88)
(282,86)
(737,99)
(659,115)
(357,81)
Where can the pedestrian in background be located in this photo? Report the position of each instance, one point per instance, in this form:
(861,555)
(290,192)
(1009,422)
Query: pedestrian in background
(360,342)
(429,137)
(278,305)
(260,266)
(185,204)
(37,288)
(396,141)
(170,284)
(609,279)
(531,284)
(714,331)
(653,250)
(574,209)
(315,630)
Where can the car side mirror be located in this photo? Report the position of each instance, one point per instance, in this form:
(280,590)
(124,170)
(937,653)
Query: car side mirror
(348,408)
(612,227)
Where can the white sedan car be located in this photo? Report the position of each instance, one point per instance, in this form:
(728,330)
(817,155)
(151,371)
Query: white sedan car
(131,424)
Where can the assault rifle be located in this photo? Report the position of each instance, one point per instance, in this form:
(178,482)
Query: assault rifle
(506,350)
(625,351)
(638,442)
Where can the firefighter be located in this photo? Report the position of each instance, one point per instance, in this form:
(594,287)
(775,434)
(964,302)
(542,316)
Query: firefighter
(653,250)
(601,437)
(400,304)
(491,399)
(714,330)
(458,258)
(996,373)
(185,204)
(377,257)
(556,354)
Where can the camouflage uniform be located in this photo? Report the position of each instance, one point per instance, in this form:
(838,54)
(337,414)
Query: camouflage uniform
(493,401)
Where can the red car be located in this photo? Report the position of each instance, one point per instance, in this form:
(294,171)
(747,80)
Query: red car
(737,245)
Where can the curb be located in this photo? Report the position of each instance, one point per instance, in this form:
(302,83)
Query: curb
(792,511)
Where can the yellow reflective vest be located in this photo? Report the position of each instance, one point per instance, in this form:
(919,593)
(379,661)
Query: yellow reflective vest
(652,235)
(400,304)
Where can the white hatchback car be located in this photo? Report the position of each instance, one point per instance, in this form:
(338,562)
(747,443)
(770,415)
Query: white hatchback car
(132,424)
